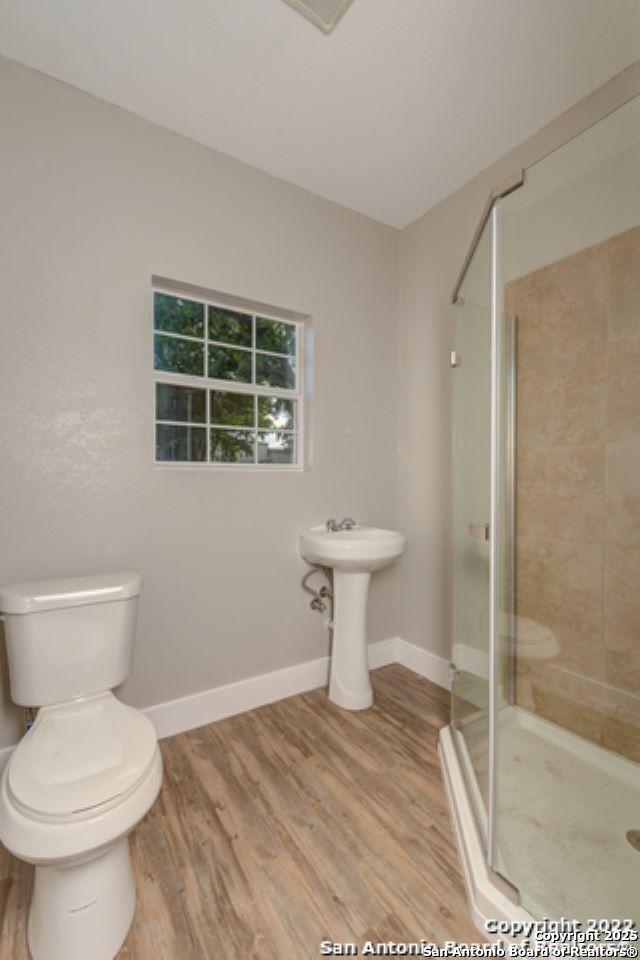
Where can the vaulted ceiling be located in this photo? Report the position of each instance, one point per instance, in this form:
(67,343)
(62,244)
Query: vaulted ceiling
(402,104)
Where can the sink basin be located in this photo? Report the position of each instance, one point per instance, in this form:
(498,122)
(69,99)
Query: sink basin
(354,555)
(364,549)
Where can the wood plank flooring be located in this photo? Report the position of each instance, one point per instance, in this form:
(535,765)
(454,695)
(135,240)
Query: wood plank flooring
(287,825)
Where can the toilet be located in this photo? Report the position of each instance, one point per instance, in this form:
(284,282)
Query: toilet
(89,768)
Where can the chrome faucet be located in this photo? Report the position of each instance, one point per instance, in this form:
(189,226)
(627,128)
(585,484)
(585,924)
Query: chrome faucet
(346,523)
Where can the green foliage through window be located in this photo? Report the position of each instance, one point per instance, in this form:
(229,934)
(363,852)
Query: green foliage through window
(232,446)
(181,444)
(187,404)
(178,356)
(232,409)
(227,326)
(175,315)
(225,363)
(255,423)
(275,337)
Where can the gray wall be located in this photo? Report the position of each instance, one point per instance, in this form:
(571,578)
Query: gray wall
(430,256)
(95,201)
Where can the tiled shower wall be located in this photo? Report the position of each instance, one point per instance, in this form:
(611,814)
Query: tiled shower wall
(578,488)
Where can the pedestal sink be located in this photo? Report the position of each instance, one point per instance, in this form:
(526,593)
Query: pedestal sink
(354,554)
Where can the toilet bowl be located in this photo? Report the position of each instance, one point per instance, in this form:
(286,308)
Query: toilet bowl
(86,772)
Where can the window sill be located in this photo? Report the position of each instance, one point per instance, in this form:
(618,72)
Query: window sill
(226,467)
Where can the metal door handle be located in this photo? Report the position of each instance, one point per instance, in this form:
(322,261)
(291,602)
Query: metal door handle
(479,531)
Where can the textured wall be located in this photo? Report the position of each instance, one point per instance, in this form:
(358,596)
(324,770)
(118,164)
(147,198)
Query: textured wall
(578,487)
(95,201)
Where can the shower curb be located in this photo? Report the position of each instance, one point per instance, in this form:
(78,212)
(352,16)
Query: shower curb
(486,901)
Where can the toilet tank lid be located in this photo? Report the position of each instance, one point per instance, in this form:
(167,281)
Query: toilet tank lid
(39,595)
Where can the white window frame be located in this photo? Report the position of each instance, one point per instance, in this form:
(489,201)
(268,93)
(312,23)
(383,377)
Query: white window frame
(207,383)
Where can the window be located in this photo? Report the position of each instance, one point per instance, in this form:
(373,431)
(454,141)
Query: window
(227,385)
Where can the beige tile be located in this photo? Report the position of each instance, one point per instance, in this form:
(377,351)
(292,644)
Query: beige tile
(623,670)
(560,493)
(621,730)
(623,389)
(579,389)
(624,283)
(554,412)
(561,312)
(561,337)
(558,352)
(524,686)
(622,493)
(622,600)
(565,297)
(559,585)
(571,701)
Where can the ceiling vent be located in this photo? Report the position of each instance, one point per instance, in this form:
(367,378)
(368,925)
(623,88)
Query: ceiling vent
(324,13)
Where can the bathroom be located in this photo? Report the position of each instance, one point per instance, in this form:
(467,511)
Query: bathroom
(462,373)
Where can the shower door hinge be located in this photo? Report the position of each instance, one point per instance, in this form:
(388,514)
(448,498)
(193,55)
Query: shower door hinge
(480,531)
(455,359)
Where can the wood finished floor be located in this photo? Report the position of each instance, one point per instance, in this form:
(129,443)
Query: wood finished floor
(287,825)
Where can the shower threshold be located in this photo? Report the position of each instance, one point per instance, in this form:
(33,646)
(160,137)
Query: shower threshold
(564,809)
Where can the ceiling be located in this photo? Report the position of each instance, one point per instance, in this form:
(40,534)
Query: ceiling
(402,104)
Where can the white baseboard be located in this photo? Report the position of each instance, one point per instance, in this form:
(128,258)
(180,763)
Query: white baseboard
(186,713)
(207,706)
(422,662)
(197,709)
(380,654)
(471,660)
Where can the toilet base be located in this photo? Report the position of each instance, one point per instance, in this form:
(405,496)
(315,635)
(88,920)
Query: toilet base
(84,909)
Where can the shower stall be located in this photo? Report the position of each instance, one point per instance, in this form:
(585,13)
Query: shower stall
(542,755)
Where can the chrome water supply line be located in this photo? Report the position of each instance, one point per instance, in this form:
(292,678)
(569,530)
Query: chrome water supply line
(324,594)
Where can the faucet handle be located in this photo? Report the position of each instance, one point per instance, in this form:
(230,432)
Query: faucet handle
(347,523)
(331,526)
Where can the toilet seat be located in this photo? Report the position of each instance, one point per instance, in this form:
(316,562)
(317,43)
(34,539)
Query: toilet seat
(80,759)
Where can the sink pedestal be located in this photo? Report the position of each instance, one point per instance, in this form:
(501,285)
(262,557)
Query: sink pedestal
(354,552)
(349,684)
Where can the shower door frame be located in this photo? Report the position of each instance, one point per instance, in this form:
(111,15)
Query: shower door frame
(491,894)
(502,438)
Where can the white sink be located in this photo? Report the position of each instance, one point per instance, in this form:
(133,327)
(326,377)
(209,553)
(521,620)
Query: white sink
(363,548)
(354,555)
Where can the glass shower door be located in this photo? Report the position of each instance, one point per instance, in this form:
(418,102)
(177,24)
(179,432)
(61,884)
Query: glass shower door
(567,752)
(471,361)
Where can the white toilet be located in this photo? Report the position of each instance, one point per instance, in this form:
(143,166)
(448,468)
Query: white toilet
(88,769)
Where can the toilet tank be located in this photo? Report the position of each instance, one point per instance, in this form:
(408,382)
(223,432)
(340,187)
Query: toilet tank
(69,638)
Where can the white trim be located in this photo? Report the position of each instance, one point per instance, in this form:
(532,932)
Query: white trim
(486,901)
(423,662)
(382,653)
(471,660)
(207,706)
(198,709)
